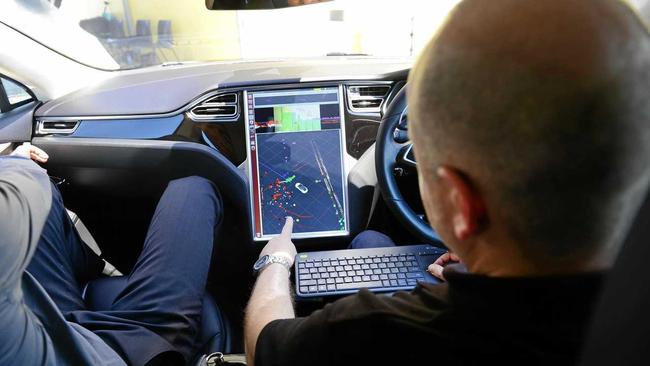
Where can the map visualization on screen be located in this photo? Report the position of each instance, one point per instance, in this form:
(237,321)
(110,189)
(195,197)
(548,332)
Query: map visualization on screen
(296,162)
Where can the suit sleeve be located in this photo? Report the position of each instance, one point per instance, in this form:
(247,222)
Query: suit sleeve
(25,200)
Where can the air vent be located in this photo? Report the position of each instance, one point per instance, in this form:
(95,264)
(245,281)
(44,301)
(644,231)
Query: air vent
(366,104)
(367,98)
(223,98)
(208,111)
(56,127)
(221,107)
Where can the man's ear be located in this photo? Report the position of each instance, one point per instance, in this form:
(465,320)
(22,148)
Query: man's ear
(467,208)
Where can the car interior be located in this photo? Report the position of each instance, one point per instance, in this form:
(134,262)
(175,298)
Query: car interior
(115,144)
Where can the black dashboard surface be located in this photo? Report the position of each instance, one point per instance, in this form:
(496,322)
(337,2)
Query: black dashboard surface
(167,89)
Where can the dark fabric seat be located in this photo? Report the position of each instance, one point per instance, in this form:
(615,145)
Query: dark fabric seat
(212,337)
(620,331)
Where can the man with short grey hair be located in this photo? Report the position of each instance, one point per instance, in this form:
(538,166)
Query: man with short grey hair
(530,123)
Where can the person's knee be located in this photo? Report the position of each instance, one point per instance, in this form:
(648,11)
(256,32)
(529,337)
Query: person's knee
(371,239)
(194,183)
(198,187)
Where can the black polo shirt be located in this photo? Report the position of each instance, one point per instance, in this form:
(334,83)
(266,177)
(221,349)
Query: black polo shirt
(468,320)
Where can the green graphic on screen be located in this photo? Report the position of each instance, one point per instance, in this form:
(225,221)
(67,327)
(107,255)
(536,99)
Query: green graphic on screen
(297,118)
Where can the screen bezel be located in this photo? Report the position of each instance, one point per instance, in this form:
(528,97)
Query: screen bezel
(253,187)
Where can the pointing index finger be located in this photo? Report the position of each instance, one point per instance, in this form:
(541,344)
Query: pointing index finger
(288,227)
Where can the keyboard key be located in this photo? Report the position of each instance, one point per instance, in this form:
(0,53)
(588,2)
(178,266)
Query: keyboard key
(322,288)
(320,281)
(352,261)
(376,271)
(365,266)
(304,289)
(393,259)
(338,268)
(393,282)
(343,262)
(367,260)
(301,265)
(334,274)
(401,282)
(308,283)
(356,278)
(399,264)
(315,276)
(414,269)
(385,260)
(390,265)
(359,273)
(376,260)
(305,277)
(331,287)
(313,288)
(392,276)
(329,281)
(354,286)
(342,274)
(309,265)
(351,273)
(402,258)
(326,263)
(385,270)
(374,278)
(374,266)
(410,257)
(414,275)
(394,270)
(347,279)
(412,282)
(313,270)
(325,275)
(347,268)
(383,277)
(386,283)
(331,269)
(338,280)
(401,275)
(365,278)
(403,269)
(317,264)
(303,271)
(322,269)
(368,272)
(382,265)
(356,267)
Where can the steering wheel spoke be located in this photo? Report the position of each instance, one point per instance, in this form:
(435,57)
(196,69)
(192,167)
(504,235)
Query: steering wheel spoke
(394,157)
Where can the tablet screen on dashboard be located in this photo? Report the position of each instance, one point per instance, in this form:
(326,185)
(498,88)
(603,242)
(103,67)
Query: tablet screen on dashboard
(296,161)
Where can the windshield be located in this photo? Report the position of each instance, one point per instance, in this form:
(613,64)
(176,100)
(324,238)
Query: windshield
(127,34)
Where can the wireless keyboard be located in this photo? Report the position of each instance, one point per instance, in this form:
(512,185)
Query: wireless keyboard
(341,272)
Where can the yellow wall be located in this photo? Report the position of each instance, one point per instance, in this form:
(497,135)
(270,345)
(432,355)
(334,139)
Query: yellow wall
(199,34)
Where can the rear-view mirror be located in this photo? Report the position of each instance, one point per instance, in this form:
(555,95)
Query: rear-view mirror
(257,4)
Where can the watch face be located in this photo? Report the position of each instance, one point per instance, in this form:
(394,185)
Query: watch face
(261,262)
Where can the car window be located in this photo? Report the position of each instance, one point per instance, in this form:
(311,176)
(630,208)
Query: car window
(16,95)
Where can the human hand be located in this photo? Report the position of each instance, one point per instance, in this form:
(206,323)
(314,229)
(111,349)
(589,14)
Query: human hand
(29,151)
(282,244)
(438,266)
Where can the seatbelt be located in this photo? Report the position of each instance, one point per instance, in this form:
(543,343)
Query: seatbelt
(87,238)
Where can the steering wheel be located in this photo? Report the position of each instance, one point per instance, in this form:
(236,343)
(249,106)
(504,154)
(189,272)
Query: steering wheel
(394,153)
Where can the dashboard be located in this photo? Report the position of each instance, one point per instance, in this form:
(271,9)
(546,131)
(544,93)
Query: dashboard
(327,111)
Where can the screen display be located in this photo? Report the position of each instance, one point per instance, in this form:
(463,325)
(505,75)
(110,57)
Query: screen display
(295,165)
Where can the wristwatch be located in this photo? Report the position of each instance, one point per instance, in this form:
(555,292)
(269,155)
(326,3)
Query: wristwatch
(269,259)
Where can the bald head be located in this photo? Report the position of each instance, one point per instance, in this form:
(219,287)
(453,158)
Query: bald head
(544,107)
